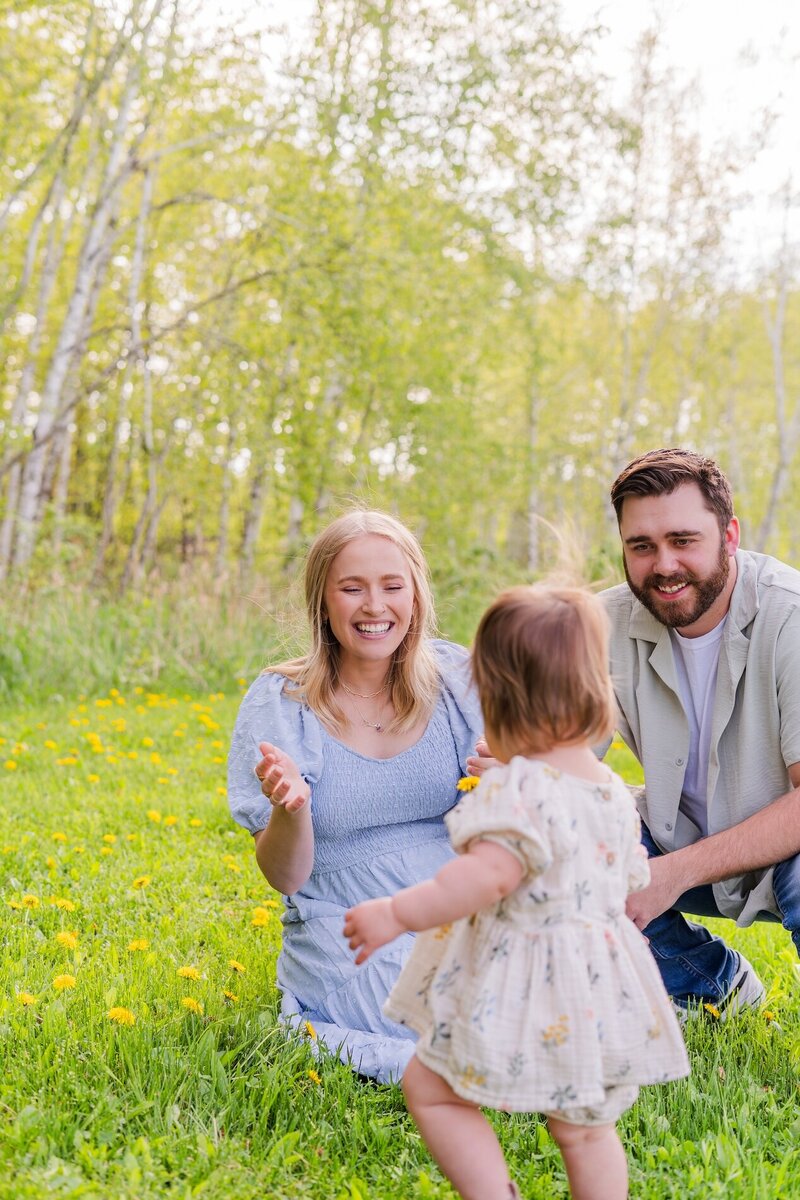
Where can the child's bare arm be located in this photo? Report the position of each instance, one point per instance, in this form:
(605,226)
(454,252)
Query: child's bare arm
(475,880)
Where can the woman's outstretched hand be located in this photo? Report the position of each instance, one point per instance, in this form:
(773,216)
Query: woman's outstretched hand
(371,925)
(280,779)
(481,760)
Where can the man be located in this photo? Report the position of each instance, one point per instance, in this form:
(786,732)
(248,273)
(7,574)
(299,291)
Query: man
(705,657)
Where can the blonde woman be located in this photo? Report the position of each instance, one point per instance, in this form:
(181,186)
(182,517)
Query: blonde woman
(343,764)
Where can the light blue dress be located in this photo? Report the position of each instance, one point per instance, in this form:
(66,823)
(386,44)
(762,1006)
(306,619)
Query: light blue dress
(378,826)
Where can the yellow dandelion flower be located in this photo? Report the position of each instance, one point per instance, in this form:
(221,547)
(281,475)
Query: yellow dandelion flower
(50,863)
(234,866)
(106,849)
(188,972)
(110,838)
(162,779)
(79,849)
(93,778)
(313,1076)
(121,1016)
(67,938)
(50,745)
(170,820)
(172,770)
(467,783)
(59,837)
(10,765)
(155,757)
(236,966)
(153,815)
(132,754)
(138,944)
(64,982)
(712,1009)
(272,904)
(132,837)
(260,918)
(26,998)
(30,901)
(310,1030)
(234,999)
(221,791)
(148,741)
(69,761)
(193,1005)
(16,904)
(62,902)
(218,759)
(195,823)
(141,881)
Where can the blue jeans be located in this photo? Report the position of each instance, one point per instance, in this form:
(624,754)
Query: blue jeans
(696,966)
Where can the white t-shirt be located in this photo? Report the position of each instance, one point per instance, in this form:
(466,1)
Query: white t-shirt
(696,663)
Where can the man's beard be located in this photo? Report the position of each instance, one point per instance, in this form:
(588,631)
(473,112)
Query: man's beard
(676,614)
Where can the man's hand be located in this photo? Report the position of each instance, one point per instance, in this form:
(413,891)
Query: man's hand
(371,925)
(665,886)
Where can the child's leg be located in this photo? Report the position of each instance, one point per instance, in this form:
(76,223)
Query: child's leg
(457,1134)
(595,1161)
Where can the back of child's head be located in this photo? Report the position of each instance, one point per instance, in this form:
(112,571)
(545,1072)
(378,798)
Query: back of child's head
(540,663)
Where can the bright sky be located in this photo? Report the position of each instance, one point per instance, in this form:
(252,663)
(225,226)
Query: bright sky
(746,56)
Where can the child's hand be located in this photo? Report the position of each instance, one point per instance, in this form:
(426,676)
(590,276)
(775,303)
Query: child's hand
(281,781)
(371,925)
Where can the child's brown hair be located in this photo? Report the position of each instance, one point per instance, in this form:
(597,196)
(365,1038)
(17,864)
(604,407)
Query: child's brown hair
(540,662)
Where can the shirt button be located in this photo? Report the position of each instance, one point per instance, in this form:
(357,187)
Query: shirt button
(668,825)
(679,762)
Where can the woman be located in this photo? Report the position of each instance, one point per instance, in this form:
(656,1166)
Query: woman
(343,764)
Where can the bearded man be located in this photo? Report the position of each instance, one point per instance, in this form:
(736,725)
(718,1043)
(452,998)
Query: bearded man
(705,658)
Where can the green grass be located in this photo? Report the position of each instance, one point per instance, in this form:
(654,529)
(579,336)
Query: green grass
(218,1104)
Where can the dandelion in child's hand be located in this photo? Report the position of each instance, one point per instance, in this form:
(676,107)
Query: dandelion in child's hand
(467,783)
(193,1005)
(121,1016)
(188,972)
(64,982)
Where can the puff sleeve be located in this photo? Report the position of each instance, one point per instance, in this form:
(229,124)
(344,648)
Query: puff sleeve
(496,812)
(460,697)
(637,865)
(267,715)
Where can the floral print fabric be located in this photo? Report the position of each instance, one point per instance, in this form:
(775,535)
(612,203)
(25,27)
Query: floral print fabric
(551,998)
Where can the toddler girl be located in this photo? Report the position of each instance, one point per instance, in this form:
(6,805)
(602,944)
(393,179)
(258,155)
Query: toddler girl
(531,990)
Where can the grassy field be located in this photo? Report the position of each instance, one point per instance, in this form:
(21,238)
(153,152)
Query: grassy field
(141,1055)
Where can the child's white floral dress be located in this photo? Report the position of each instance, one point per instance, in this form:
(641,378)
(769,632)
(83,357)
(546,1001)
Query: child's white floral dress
(550,1000)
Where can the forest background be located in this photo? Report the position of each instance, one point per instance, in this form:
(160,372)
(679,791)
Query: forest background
(416,259)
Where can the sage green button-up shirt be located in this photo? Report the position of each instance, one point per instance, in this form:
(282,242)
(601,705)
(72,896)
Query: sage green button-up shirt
(755,734)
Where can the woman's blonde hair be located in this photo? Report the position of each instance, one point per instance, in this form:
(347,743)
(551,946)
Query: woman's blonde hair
(540,662)
(414,673)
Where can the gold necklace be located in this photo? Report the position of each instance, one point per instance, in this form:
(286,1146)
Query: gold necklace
(376,725)
(365,695)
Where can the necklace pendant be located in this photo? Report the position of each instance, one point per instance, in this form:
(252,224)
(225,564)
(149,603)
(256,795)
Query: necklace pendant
(379,728)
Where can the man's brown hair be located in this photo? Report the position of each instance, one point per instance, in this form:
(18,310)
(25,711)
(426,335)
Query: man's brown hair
(540,663)
(661,472)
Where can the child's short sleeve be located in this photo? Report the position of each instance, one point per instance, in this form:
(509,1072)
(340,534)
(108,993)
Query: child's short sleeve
(496,811)
(267,715)
(638,866)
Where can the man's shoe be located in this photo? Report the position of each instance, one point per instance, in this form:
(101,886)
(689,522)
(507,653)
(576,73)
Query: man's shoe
(746,991)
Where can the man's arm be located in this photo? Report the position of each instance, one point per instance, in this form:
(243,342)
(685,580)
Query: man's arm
(766,838)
